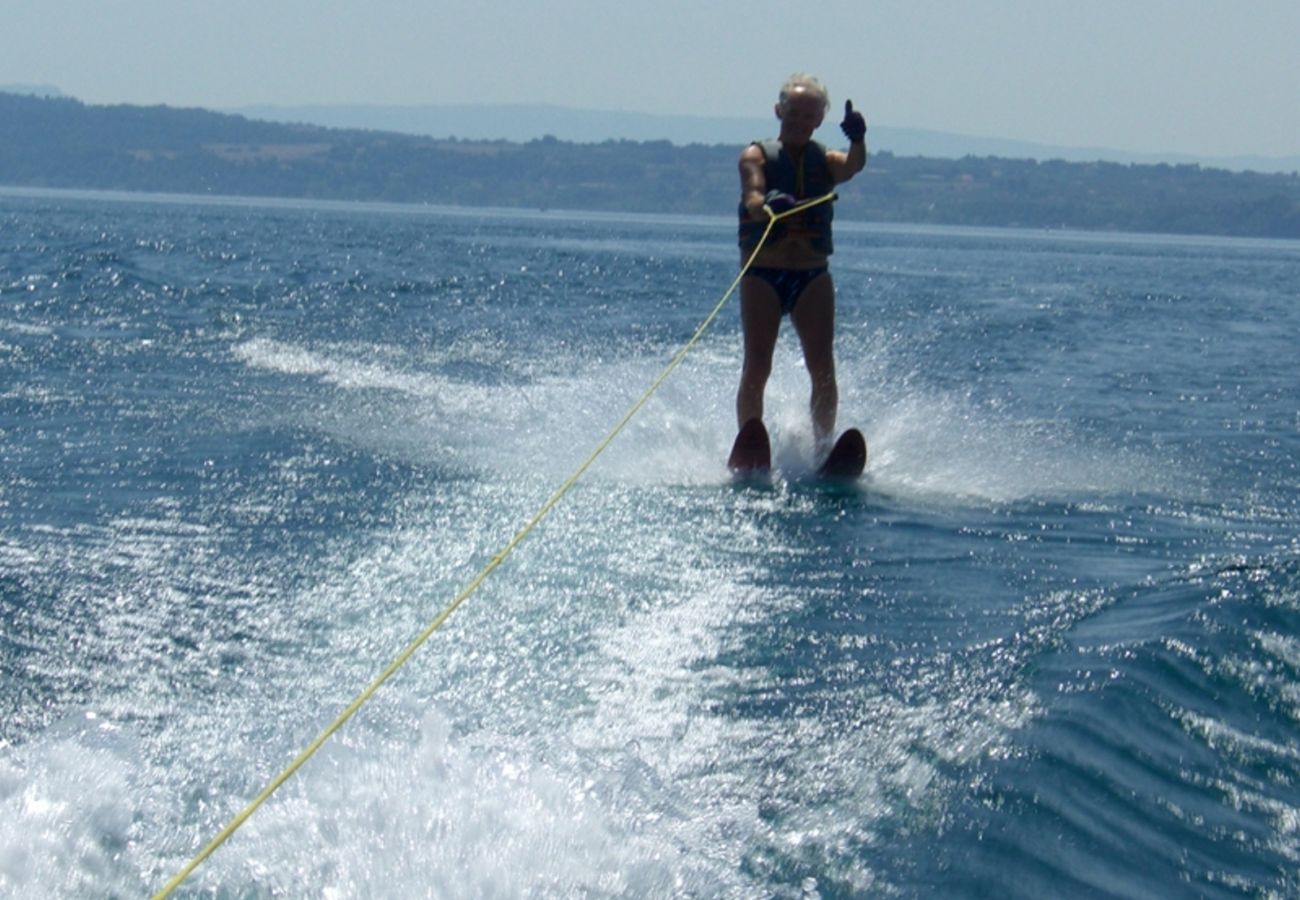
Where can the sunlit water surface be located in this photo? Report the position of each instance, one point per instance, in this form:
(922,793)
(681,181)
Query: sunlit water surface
(1048,646)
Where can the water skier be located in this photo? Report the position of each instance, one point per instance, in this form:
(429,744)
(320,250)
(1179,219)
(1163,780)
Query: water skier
(790,275)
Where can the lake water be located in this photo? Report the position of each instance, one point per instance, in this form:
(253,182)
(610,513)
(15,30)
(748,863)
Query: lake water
(1048,646)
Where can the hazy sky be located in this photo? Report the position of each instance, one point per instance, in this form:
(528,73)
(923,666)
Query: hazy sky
(1205,77)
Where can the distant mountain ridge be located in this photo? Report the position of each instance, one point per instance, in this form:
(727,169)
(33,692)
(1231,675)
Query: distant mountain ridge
(526,122)
(64,143)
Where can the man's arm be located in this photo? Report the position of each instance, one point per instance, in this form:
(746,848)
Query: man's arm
(753,182)
(844,166)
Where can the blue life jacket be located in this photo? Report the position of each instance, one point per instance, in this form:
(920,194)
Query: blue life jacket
(806,178)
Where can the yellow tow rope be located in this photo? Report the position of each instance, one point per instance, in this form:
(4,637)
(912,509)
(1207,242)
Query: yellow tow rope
(487,570)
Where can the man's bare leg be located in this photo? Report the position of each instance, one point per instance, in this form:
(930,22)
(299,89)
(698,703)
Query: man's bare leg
(814,321)
(760,316)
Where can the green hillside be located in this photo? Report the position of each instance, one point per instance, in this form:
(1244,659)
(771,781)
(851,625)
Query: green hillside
(63,143)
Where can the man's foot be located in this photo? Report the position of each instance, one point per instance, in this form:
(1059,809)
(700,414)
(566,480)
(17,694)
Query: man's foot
(752,450)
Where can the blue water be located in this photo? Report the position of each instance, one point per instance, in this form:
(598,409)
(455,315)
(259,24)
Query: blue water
(1049,646)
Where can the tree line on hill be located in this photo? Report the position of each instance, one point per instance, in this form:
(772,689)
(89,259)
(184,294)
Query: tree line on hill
(63,143)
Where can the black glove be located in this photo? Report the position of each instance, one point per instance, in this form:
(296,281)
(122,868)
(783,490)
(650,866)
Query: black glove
(853,126)
(779,201)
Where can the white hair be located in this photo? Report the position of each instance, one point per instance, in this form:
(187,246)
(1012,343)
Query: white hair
(801,80)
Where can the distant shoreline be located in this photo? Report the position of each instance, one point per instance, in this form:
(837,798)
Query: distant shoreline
(521,123)
(65,144)
(721,223)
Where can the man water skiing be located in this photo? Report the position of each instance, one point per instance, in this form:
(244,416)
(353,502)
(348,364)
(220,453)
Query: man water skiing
(790,275)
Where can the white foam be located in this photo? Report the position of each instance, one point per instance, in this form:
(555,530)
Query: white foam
(336,369)
(921,441)
(67,814)
(433,815)
(942,446)
(24,328)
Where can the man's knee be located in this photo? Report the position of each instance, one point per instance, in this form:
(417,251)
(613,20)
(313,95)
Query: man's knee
(820,364)
(758,369)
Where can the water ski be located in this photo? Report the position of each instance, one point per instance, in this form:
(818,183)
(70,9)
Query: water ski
(847,458)
(751,454)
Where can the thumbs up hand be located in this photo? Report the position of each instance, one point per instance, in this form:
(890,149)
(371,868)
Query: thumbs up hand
(854,125)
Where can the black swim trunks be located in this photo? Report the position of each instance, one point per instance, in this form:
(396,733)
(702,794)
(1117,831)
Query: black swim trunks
(788,283)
